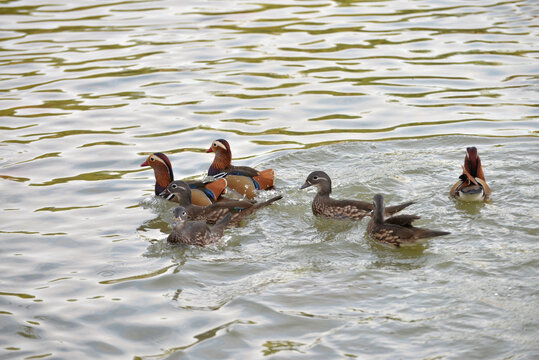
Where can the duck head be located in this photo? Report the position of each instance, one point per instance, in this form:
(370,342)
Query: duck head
(180,214)
(162,169)
(181,190)
(223,156)
(319,179)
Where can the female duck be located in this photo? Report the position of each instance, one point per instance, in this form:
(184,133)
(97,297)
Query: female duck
(215,212)
(397,230)
(201,193)
(324,205)
(471,185)
(243,179)
(195,232)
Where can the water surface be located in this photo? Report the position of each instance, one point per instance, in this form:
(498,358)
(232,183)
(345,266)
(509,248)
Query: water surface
(382,95)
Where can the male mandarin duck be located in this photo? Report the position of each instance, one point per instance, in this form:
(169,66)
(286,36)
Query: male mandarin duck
(397,230)
(471,185)
(216,211)
(326,206)
(195,232)
(243,179)
(201,193)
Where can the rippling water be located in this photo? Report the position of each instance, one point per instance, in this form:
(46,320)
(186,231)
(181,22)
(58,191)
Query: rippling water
(383,95)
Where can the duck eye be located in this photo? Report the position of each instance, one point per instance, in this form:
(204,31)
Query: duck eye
(315,177)
(152,159)
(174,186)
(214,144)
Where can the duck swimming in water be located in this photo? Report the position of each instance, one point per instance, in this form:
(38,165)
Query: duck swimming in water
(396,230)
(196,232)
(326,206)
(216,211)
(472,185)
(243,179)
(202,193)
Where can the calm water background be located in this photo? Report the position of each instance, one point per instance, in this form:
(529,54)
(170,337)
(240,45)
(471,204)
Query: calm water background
(382,95)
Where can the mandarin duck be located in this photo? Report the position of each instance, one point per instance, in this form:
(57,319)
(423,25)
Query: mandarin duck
(324,205)
(243,179)
(216,211)
(471,185)
(195,232)
(201,193)
(396,230)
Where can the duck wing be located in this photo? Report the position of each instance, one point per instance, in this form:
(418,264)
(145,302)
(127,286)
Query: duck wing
(347,209)
(390,210)
(402,220)
(392,234)
(241,170)
(455,189)
(216,231)
(237,217)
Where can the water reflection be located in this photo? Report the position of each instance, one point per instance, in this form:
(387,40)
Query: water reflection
(469,208)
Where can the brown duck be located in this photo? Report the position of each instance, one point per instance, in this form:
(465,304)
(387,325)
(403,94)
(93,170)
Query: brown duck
(396,230)
(243,179)
(324,205)
(471,185)
(196,232)
(216,211)
(201,193)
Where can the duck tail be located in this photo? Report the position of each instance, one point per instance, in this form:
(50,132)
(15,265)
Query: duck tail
(426,233)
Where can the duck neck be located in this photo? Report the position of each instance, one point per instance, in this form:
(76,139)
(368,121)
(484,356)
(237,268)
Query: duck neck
(185,198)
(378,212)
(324,189)
(163,177)
(221,161)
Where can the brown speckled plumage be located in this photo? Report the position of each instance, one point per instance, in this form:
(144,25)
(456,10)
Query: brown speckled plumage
(239,209)
(397,230)
(324,205)
(196,232)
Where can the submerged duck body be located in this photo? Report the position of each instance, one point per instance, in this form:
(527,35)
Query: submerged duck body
(472,185)
(324,205)
(242,179)
(397,230)
(196,232)
(201,193)
(239,209)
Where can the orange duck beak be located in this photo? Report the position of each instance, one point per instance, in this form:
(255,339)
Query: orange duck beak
(145,163)
(209,150)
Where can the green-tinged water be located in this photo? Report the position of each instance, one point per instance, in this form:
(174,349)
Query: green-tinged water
(384,96)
